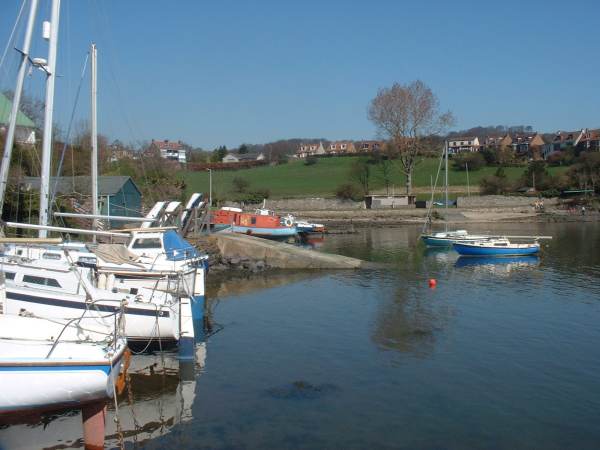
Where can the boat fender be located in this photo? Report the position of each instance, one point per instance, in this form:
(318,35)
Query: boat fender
(288,222)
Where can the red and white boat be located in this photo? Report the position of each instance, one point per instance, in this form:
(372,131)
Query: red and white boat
(261,223)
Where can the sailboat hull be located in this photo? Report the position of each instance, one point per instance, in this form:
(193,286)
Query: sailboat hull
(480,250)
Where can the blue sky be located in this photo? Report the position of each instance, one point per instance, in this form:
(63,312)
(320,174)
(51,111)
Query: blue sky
(227,72)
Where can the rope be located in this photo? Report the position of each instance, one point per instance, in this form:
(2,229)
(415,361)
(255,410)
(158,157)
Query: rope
(12,33)
(64,149)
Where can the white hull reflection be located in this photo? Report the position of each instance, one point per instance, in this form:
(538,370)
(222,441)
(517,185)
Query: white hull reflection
(155,400)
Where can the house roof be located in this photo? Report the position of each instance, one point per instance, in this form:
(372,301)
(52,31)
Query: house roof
(463,138)
(244,156)
(107,185)
(167,145)
(6,107)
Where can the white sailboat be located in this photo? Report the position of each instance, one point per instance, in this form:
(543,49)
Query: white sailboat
(153,316)
(446,238)
(47,364)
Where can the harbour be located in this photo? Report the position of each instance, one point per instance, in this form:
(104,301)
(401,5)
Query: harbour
(501,354)
(178,270)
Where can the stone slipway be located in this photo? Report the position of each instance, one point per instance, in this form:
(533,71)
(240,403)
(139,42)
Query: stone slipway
(280,255)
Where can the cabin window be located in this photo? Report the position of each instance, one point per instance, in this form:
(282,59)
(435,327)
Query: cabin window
(253,220)
(41,280)
(147,243)
(9,275)
(54,256)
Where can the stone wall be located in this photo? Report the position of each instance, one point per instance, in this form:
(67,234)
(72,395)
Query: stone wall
(499,201)
(307,204)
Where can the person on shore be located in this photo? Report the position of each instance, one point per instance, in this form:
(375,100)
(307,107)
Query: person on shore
(582,210)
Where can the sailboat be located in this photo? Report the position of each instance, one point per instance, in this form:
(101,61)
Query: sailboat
(51,363)
(446,238)
(50,285)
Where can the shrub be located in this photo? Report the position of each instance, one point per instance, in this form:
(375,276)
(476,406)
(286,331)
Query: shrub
(348,191)
(256,196)
(494,185)
(240,184)
(474,161)
(310,161)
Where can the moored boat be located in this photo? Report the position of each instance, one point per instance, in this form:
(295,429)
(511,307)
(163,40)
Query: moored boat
(48,364)
(496,247)
(259,223)
(447,238)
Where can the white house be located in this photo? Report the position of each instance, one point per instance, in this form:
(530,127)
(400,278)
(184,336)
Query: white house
(172,150)
(310,149)
(463,144)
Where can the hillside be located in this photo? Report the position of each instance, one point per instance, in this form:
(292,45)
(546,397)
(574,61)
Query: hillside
(295,179)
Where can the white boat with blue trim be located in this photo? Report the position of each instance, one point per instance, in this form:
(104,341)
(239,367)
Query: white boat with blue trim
(52,364)
(496,247)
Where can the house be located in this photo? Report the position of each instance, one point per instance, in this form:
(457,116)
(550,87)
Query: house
(589,140)
(243,157)
(117,154)
(310,149)
(341,147)
(530,144)
(172,150)
(118,195)
(497,142)
(463,144)
(25,130)
(370,146)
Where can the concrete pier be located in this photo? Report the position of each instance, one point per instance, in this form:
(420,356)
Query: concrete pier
(280,255)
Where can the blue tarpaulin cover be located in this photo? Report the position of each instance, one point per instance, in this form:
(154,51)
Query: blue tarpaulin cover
(177,248)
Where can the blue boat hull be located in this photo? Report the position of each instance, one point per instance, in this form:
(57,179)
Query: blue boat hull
(472,250)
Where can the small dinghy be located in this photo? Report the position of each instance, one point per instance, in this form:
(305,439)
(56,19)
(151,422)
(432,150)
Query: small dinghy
(496,247)
(51,364)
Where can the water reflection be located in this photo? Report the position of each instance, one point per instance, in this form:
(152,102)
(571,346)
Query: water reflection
(158,395)
(408,321)
(504,264)
(234,284)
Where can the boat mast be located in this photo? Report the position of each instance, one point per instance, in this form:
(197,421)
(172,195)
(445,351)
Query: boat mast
(446,161)
(16,103)
(48,112)
(94,133)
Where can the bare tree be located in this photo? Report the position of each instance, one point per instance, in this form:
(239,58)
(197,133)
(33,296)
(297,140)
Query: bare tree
(407,115)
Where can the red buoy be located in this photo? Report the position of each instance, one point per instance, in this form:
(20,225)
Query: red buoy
(432,283)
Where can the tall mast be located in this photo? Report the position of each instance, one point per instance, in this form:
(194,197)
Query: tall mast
(48,112)
(10,135)
(446,158)
(93,103)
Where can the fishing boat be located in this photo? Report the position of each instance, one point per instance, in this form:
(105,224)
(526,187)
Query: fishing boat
(496,247)
(48,364)
(261,223)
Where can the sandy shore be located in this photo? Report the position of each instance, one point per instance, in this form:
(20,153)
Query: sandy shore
(390,217)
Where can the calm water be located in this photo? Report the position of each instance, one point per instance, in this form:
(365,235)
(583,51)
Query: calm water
(501,355)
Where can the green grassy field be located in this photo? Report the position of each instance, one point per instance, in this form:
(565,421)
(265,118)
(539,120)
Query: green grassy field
(321,179)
